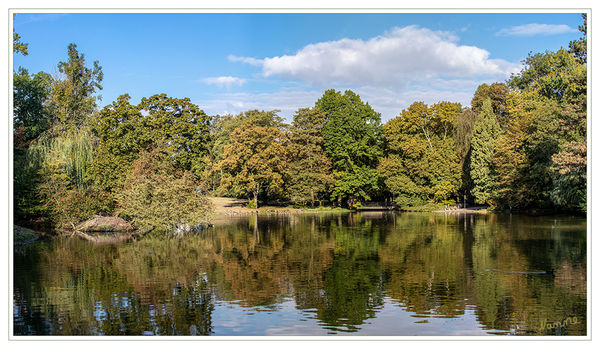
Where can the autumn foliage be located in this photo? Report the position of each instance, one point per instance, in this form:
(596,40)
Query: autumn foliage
(157,196)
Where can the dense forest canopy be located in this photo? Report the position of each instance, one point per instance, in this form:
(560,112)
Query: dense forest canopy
(521,144)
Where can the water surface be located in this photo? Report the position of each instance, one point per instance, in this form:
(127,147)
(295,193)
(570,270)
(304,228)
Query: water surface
(364,274)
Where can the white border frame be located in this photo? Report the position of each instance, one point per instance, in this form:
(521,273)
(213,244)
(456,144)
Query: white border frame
(275,10)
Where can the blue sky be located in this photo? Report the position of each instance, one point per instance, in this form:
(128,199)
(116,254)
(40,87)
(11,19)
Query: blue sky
(228,63)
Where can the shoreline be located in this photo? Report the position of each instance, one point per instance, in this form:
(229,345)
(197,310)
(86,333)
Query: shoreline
(225,206)
(478,210)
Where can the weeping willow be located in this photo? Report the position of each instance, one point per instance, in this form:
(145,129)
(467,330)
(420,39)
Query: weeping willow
(70,152)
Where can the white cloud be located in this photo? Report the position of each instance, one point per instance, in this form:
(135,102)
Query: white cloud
(389,60)
(390,72)
(249,60)
(536,29)
(286,100)
(224,81)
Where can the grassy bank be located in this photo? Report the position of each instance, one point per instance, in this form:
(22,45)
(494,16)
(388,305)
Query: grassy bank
(422,208)
(443,208)
(232,206)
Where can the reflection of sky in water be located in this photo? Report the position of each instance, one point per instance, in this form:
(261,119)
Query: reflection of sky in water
(231,320)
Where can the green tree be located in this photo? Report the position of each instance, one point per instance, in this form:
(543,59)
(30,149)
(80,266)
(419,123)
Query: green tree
(556,77)
(352,135)
(569,188)
(18,45)
(497,93)
(116,127)
(579,47)
(182,124)
(309,168)
(421,163)
(73,97)
(464,123)
(553,75)
(124,130)
(523,158)
(485,132)
(31,116)
(221,128)
(510,167)
(254,161)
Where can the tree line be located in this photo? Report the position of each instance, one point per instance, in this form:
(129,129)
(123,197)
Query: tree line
(521,144)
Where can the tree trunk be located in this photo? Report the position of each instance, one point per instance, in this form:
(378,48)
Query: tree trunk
(255,193)
(351,202)
(427,136)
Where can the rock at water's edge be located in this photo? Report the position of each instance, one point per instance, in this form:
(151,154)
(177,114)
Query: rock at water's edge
(22,236)
(105,225)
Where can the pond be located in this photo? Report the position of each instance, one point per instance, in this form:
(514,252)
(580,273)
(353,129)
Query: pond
(375,273)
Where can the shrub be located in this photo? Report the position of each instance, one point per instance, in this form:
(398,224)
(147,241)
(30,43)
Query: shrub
(68,205)
(158,197)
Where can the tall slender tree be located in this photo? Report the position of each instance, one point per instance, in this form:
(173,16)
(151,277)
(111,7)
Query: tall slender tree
(463,128)
(485,133)
(73,97)
(497,93)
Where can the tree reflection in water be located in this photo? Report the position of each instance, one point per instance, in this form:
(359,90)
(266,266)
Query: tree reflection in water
(514,272)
